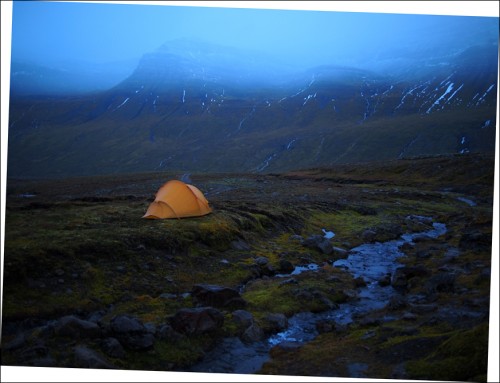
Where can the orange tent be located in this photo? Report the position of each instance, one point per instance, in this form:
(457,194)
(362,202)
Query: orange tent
(175,199)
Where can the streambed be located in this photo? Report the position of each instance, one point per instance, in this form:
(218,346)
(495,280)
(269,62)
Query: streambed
(370,261)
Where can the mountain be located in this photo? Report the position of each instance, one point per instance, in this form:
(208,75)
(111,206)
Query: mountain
(196,107)
(66,78)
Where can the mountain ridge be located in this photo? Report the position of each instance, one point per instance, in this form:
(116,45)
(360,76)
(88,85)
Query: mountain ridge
(189,113)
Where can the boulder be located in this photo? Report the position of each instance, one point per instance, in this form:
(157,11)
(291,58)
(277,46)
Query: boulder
(340,253)
(286,267)
(195,321)
(442,282)
(131,332)
(253,334)
(87,358)
(276,322)
(217,296)
(326,325)
(74,327)
(369,235)
(318,242)
(402,275)
(242,318)
(113,348)
(167,332)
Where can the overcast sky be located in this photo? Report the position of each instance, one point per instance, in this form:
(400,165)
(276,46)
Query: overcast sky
(46,32)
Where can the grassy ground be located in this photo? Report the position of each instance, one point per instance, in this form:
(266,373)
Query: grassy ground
(77,246)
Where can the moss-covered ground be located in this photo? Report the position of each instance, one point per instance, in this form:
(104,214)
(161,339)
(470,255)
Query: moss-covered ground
(77,246)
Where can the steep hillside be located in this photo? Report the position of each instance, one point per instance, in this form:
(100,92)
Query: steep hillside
(195,107)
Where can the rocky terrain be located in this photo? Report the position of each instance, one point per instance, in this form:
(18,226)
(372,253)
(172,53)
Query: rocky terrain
(284,277)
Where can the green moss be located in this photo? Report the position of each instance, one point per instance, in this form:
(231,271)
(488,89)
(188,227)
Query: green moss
(464,356)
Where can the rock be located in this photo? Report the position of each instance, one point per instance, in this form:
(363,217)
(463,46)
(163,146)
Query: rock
(318,242)
(240,245)
(401,275)
(18,342)
(296,237)
(286,267)
(340,253)
(195,321)
(87,358)
(113,348)
(124,324)
(267,270)
(242,318)
(253,334)
(289,281)
(443,282)
(37,350)
(167,332)
(150,327)
(409,316)
(323,326)
(217,296)
(396,302)
(416,223)
(359,282)
(385,280)
(261,261)
(423,308)
(131,332)
(74,327)
(286,347)
(369,235)
(275,322)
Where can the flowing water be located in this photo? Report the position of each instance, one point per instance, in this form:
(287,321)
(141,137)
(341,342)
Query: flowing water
(372,262)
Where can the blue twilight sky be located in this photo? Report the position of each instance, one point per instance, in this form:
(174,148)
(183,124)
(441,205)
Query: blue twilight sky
(48,32)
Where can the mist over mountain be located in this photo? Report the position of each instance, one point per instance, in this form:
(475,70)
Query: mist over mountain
(198,106)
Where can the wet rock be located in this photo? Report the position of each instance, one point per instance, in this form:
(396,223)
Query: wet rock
(267,270)
(369,235)
(195,321)
(385,280)
(286,347)
(275,322)
(217,296)
(339,253)
(318,242)
(242,318)
(416,223)
(74,327)
(286,267)
(87,358)
(324,326)
(253,334)
(112,347)
(131,332)
(359,282)
(402,275)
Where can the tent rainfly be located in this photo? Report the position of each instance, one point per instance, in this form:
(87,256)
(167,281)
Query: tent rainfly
(175,199)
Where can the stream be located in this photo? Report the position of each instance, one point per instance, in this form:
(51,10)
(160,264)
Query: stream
(372,262)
